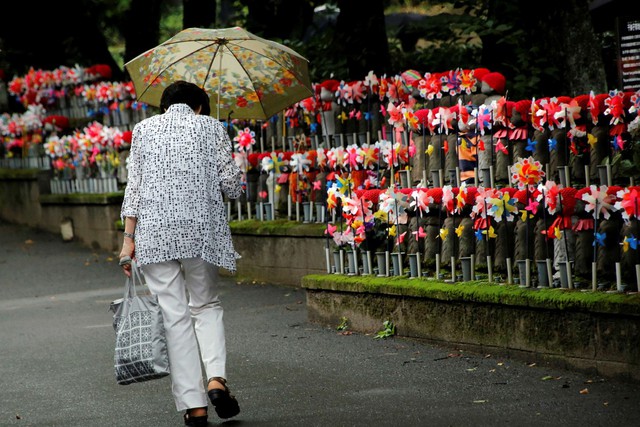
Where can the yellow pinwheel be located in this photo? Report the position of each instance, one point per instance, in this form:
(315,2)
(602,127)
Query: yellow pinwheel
(592,140)
(557,233)
(491,234)
(429,150)
(393,231)
(381,215)
(459,230)
(444,232)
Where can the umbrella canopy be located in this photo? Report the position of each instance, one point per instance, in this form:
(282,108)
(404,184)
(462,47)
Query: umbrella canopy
(245,76)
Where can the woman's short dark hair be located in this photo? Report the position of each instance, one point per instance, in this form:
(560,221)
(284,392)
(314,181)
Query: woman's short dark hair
(182,92)
(206,106)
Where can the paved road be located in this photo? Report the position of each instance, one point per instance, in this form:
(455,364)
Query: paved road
(56,361)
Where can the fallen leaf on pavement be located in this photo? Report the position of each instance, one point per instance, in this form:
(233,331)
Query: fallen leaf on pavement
(584,391)
(480,401)
(28,242)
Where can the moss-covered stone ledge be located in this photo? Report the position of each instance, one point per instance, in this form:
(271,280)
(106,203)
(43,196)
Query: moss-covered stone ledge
(590,331)
(279,251)
(19,174)
(279,227)
(82,199)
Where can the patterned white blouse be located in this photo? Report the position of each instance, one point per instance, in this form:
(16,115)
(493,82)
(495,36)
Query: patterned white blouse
(179,165)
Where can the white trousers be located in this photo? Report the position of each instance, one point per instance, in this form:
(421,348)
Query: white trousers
(193,325)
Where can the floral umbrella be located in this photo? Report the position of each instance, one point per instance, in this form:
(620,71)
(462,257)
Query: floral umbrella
(245,76)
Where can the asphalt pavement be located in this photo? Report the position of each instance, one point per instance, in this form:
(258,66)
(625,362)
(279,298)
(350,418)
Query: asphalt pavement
(56,361)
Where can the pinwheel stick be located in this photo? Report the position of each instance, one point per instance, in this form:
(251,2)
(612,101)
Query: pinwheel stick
(594,268)
(487,243)
(508,239)
(526,229)
(544,215)
(326,227)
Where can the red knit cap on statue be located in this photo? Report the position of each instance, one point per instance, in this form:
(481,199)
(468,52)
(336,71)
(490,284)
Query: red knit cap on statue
(496,81)
(479,73)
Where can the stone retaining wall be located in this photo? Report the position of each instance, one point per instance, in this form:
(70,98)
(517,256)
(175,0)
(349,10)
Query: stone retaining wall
(554,326)
(279,252)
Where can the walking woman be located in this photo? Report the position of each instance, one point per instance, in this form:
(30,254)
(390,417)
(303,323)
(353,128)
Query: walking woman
(180,165)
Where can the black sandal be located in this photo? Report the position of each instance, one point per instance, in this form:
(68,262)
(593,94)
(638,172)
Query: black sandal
(224,402)
(192,421)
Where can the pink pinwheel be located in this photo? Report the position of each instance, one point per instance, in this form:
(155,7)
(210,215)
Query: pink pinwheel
(443,119)
(420,201)
(419,234)
(448,199)
(336,157)
(500,147)
(483,118)
(594,108)
(241,160)
(351,157)
(321,158)
(499,108)
(598,197)
(537,115)
(401,238)
(331,229)
(550,191)
(245,139)
(357,91)
(396,118)
(386,152)
(628,204)
(352,206)
(371,81)
(550,110)
(532,206)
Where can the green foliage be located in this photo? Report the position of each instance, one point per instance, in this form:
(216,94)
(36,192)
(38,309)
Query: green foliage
(344,323)
(389,330)
(628,162)
(479,291)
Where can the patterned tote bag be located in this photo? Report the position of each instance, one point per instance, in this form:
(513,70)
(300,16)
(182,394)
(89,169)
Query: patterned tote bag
(141,347)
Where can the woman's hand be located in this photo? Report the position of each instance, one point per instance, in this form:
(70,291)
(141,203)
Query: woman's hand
(126,255)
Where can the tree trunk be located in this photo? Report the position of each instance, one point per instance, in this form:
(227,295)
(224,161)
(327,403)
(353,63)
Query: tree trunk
(142,31)
(361,36)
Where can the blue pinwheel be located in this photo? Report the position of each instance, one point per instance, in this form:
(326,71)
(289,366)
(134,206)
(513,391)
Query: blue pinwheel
(599,239)
(479,234)
(552,144)
(531,145)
